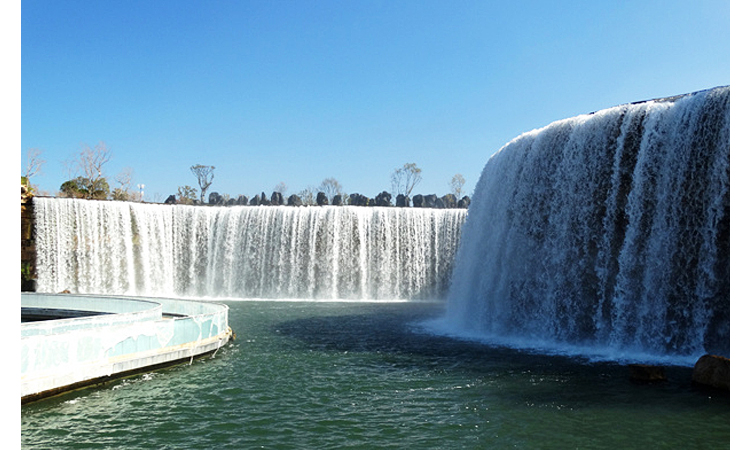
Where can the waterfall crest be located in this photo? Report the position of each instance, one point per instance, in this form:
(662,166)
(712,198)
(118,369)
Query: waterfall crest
(608,230)
(341,252)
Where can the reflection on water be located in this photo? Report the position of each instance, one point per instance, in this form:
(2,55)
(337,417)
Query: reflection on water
(360,375)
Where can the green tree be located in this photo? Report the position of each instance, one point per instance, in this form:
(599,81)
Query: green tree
(81,187)
(186,195)
(205,175)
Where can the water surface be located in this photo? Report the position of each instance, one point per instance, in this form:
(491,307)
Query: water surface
(317,375)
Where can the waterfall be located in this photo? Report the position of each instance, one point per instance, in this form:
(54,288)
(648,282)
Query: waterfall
(605,231)
(336,252)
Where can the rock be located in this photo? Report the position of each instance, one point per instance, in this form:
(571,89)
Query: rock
(294,200)
(264,201)
(255,201)
(383,199)
(242,200)
(359,200)
(712,371)
(321,199)
(28,285)
(644,373)
(430,201)
(171,200)
(402,201)
(277,198)
(464,202)
(338,200)
(418,201)
(214,198)
(449,201)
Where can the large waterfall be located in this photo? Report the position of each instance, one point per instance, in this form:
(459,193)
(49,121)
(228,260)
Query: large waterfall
(336,252)
(607,231)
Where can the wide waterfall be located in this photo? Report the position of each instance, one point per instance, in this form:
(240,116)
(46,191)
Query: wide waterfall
(274,252)
(606,232)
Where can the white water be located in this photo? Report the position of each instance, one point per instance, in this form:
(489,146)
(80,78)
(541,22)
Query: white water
(605,233)
(346,253)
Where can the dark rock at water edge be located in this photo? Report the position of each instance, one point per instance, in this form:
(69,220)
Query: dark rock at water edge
(712,371)
(645,373)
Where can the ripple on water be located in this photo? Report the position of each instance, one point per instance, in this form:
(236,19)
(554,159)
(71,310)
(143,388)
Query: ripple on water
(312,375)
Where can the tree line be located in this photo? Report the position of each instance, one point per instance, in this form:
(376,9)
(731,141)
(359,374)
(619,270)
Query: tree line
(88,181)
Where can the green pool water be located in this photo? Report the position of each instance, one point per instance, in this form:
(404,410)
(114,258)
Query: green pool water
(320,375)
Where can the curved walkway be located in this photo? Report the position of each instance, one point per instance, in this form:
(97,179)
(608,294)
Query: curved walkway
(105,337)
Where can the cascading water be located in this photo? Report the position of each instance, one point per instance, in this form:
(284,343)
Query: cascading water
(606,231)
(345,253)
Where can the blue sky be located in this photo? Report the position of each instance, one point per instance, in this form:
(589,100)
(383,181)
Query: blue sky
(299,91)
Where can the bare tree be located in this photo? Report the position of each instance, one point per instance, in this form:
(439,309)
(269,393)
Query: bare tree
(404,180)
(280,188)
(307,195)
(205,175)
(90,163)
(331,187)
(125,180)
(92,160)
(34,162)
(457,185)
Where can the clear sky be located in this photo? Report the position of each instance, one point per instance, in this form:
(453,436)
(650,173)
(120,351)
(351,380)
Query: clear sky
(299,91)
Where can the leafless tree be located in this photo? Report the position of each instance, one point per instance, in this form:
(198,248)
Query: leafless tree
(457,185)
(307,195)
(280,188)
(90,163)
(125,180)
(34,162)
(404,180)
(331,187)
(205,175)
